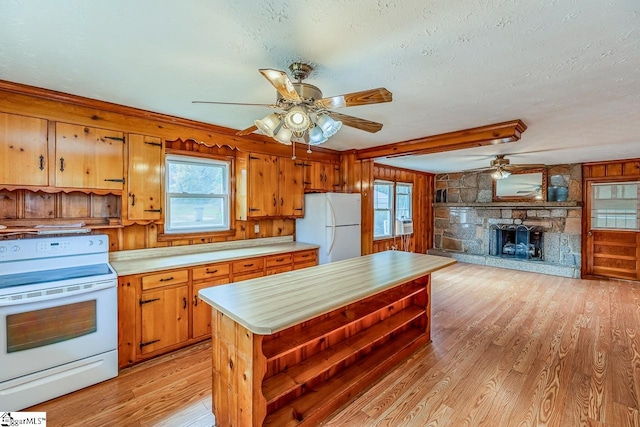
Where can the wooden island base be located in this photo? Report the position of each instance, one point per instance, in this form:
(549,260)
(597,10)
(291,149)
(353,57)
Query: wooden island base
(300,375)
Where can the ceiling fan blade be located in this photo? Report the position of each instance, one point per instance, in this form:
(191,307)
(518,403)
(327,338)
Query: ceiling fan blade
(234,103)
(280,80)
(523,166)
(356,122)
(366,97)
(247,131)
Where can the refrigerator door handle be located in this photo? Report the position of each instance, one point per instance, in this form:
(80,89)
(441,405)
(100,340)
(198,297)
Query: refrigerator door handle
(333,226)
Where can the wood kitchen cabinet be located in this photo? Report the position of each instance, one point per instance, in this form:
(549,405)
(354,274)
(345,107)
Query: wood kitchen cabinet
(164,310)
(87,157)
(164,318)
(144,178)
(205,277)
(160,312)
(321,177)
(23,150)
(268,186)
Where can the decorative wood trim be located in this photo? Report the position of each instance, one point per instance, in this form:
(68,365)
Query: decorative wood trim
(476,137)
(17,98)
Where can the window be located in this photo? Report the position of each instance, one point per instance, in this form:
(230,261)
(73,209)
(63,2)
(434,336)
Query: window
(615,206)
(387,208)
(197,194)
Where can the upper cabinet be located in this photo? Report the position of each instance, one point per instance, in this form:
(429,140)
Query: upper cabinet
(23,150)
(144,178)
(268,186)
(322,177)
(89,157)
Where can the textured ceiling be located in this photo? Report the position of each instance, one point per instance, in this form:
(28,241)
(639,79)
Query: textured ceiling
(569,69)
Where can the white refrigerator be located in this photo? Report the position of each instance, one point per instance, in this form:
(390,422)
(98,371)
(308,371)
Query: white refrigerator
(331,220)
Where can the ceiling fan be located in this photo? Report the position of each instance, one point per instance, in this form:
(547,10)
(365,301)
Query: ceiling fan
(304,114)
(502,167)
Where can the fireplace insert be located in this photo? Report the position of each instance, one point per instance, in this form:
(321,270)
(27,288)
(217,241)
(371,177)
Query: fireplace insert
(516,241)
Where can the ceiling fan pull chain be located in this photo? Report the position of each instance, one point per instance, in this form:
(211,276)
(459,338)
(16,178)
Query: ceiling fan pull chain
(293,144)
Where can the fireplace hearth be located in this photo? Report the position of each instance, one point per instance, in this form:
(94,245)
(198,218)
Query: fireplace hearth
(516,241)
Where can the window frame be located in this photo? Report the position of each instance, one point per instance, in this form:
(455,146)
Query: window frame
(619,215)
(393,208)
(225,196)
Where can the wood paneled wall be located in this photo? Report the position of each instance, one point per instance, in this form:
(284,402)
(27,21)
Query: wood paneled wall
(359,176)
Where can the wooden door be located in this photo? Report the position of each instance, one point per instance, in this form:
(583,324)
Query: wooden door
(164,318)
(290,190)
(201,324)
(614,254)
(23,150)
(144,178)
(88,157)
(263,186)
(610,250)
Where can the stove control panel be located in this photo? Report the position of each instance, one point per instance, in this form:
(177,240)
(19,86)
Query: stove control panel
(25,249)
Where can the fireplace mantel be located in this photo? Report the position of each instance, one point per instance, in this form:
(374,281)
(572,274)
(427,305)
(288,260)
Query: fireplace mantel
(512,205)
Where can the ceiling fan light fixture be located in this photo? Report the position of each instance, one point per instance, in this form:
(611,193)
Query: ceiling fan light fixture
(269,124)
(500,174)
(284,136)
(329,126)
(316,136)
(297,119)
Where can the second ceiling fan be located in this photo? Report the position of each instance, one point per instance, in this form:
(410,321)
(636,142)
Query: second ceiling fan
(304,113)
(502,167)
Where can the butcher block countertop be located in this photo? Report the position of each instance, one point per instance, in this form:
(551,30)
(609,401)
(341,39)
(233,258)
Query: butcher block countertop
(149,260)
(270,304)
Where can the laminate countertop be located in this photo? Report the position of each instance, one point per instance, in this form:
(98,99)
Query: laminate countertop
(150,260)
(270,304)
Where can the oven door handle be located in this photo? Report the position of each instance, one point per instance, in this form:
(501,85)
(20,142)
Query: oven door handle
(55,292)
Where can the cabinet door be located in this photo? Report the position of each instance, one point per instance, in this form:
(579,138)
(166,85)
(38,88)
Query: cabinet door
(290,189)
(263,185)
(89,157)
(320,176)
(201,326)
(164,318)
(23,150)
(144,178)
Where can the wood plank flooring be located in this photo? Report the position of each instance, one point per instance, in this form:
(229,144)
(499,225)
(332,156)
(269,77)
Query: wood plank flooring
(509,349)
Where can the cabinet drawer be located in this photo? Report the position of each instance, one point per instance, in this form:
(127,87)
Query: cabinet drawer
(305,257)
(279,260)
(248,265)
(152,281)
(210,271)
(247,276)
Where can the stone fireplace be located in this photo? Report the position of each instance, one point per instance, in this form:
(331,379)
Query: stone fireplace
(536,236)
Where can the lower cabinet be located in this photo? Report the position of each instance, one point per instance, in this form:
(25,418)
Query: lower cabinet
(164,318)
(160,312)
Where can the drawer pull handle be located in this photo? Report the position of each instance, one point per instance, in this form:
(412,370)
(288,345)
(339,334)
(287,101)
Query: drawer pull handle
(249,265)
(184,303)
(212,272)
(305,256)
(279,259)
(144,344)
(195,300)
(41,163)
(148,301)
(168,279)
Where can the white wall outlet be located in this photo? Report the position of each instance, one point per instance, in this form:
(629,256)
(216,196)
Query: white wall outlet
(256,228)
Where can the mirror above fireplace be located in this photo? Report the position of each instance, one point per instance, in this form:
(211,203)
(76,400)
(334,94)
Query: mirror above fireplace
(527,185)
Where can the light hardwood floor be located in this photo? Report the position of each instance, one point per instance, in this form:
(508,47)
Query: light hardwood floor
(509,349)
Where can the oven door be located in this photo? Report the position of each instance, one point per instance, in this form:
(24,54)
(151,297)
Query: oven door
(45,333)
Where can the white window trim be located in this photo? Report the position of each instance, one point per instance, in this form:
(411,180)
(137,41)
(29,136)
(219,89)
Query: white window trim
(174,158)
(393,209)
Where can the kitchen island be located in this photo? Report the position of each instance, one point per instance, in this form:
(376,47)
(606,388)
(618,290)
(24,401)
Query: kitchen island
(291,348)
